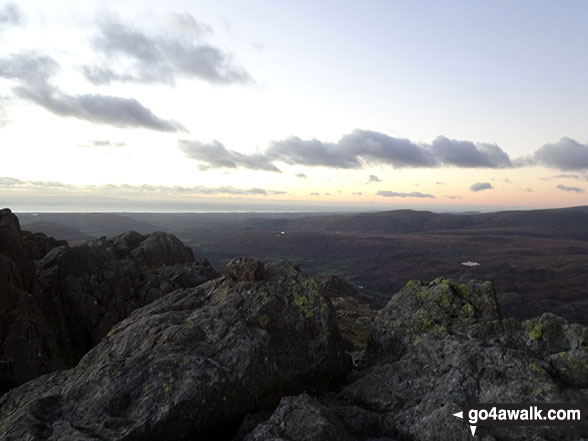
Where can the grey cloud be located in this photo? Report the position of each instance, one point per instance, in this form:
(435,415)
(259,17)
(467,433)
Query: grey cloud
(315,194)
(453,197)
(215,155)
(374,178)
(440,183)
(33,72)
(480,186)
(468,154)
(99,109)
(569,189)
(393,194)
(296,151)
(10,15)
(567,154)
(363,147)
(161,58)
(28,67)
(301,175)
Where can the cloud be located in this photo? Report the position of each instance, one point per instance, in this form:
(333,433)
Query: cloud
(99,109)
(453,197)
(12,184)
(467,154)
(29,67)
(357,193)
(10,15)
(215,155)
(527,190)
(566,154)
(301,175)
(161,58)
(393,194)
(480,186)
(569,189)
(440,183)
(374,178)
(33,72)
(364,147)
(103,143)
(315,194)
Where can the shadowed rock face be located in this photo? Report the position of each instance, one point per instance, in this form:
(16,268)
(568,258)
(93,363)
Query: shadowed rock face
(57,302)
(189,365)
(434,348)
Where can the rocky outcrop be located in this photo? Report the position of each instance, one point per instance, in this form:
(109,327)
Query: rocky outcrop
(433,349)
(245,268)
(57,302)
(189,365)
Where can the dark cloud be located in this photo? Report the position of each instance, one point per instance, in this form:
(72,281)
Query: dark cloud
(99,109)
(467,154)
(10,15)
(161,58)
(363,147)
(480,186)
(569,189)
(567,154)
(393,194)
(215,155)
(301,175)
(296,151)
(374,178)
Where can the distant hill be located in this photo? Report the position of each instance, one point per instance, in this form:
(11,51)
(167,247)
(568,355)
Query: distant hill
(538,259)
(93,224)
(58,231)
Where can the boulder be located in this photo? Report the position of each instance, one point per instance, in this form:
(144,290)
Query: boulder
(245,268)
(190,365)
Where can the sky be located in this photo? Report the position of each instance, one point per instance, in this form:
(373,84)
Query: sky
(292,106)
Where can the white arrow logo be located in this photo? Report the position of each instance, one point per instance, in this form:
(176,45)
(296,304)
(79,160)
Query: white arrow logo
(460,415)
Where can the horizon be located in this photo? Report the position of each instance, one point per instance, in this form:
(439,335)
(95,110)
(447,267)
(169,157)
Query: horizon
(156,106)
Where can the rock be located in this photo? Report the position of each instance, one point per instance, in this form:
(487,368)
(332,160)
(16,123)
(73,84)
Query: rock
(190,365)
(38,245)
(441,308)
(98,284)
(28,344)
(57,302)
(435,348)
(245,268)
(304,418)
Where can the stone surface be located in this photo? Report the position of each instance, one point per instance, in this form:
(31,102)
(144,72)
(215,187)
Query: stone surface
(433,349)
(189,365)
(57,302)
(245,268)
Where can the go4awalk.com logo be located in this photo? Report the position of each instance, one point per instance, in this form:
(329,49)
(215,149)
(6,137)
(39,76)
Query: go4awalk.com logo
(511,414)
